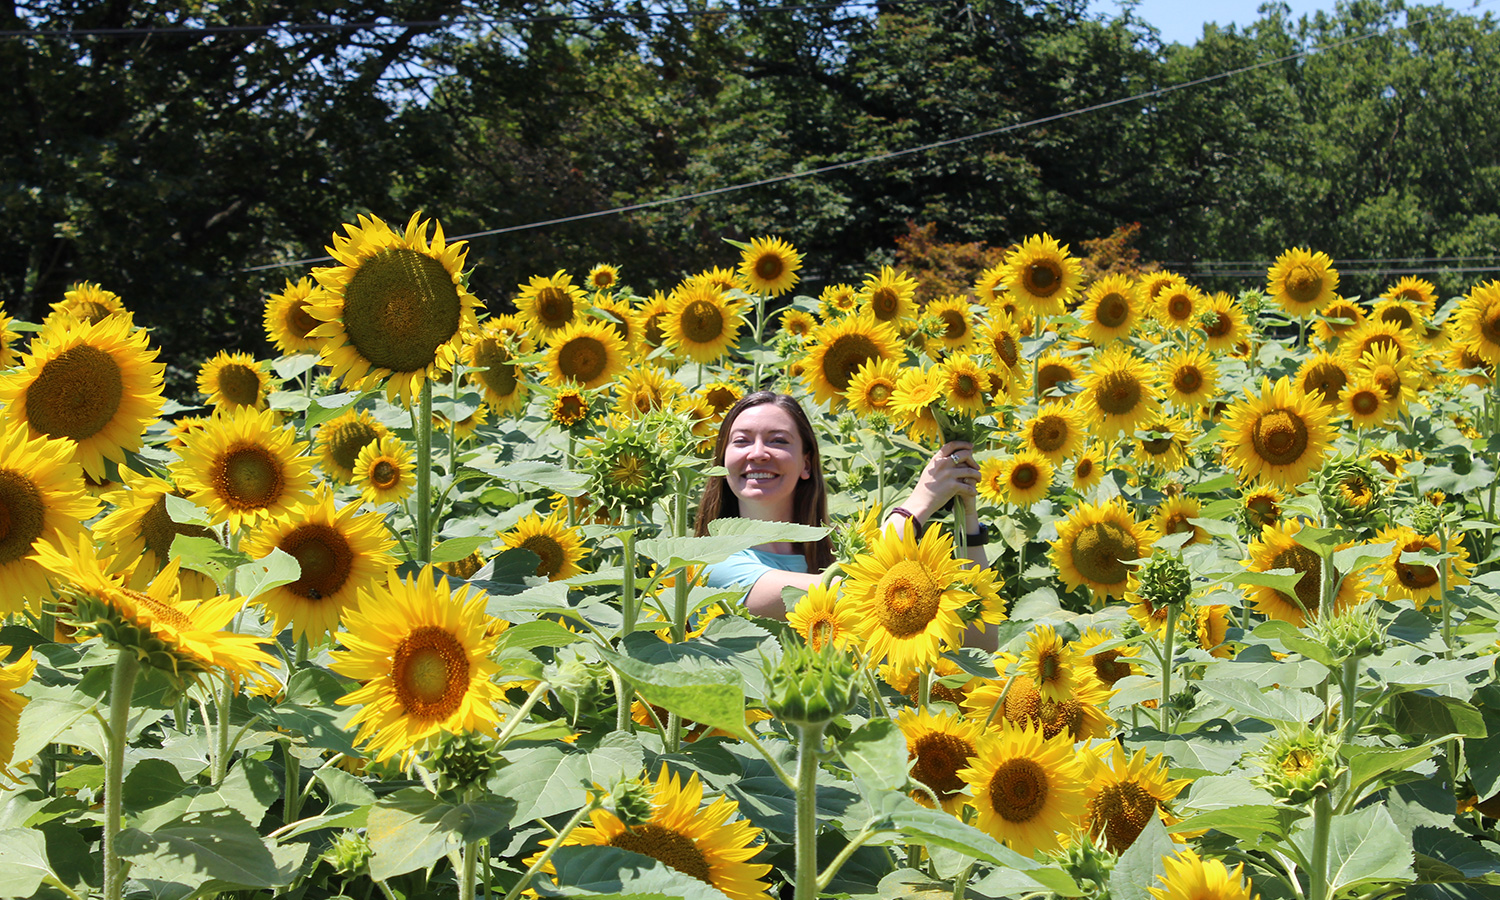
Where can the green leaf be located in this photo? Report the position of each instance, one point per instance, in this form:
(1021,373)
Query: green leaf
(289,367)
(217,845)
(1366,764)
(288,401)
(1449,678)
(544,781)
(1245,823)
(267,573)
(1285,583)
(206,555)
(411,828)
(1136,870)
(695,688)
(150,782)
(541,633)
(1449,856)
(539,474)
(1293,639)
(876,754)
(620,875)
(767,532)
(23,862)
(1364,846)
(1274,705)
(1426,713)
(330,407)
(183,511)
(455,549)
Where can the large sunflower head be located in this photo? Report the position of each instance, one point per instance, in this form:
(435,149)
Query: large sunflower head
(966,385)
(1163,444)
(1398,376)
(1222,320)
(1190,877)
(837,300)
(1109,664)
(422,655)
(85,303)
(42,499)
(1178,305)
(938,745)
(1021,480)
(822,619)
(1279,436)
(838,349)
(289,324)
(1189,378)
(242,467)
(1323,376)
(952,325)
(1094,545)
(550,304)
(1001,339)
(586,353)
(140,527)
(341,439)
(97,386)
(702,322)
(395,308)
(341,552)
(1406,579)
(1477,322)
(873,387)
(1337,319)
(1419,291)
(1119,392)
(558,547)
(490,355)
(1262,506)
(1049,663)
(1056,375)
(385,470)
(644,389)
(769,266)
(1175,516)
(1125,795)
(1373,335)
(1277,548)
(905,597)
(1404,314)
(1026,789)
(1042,276)
(1302,282)
(603,277)
(1055,432)
(1110,309)
(886,296)
(231,380)
(700,843)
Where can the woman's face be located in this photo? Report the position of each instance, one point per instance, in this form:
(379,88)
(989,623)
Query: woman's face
(765,459)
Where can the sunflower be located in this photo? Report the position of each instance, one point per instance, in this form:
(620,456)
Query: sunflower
(1178,305)
(1026,789)
(1119,392)
(964,384)
(12,676)
(653,315)
(702,322)
(1212,623)
(1094,544)
(603,277)
(1189,877)
(97,386)
(569,407)
(1278,437)
(1022,480)
(1397,376)
(821,619)
(558,547)
(341,439)
(1262,506)
(586,353)
(1042,276)
(1373,335)
(1302,282)
(490,354)
(1049,663)
(182,638)
(886,296)
(1055,375)
(1223,322)
(904,598)
(1277,548)
(1189,378)
(1412,580)
(8,341)
(938,745)
(1001,339)
(1110,309)
(288,322)
(384,471)
(769,266)
(720,396)
(41,499)
(550,304)
(619,314)
(422,654)
(1174,517)
(1088,468)
(87,304)
(797,323)
(908,682)
(394,308)
(1081,716)
(1322,376)
(1404,314)
(873,387)
(1126,794)
(1108,665)
(1164,444)
(1337,319)
(838,349)
(1460,359)
(1414,290)
(232,380)
(139,526)
(1151,285)
(1055,432)
(1477,322)
(1151,617)
(242,468)
(989,286)
(917,390)
(838,300)
(341,553)
(700,843)
(954,331)
(644,389)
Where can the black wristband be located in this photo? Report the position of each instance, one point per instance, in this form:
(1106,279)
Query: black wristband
(980,537)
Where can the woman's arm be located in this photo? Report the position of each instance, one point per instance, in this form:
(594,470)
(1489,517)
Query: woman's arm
(764,598)
(952,472)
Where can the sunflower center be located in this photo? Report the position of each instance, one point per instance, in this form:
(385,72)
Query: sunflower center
(1118,394)
(1048,667)
(76,394)
(1042,278)
(1489,323)
(654,335)
(1217,326)
(955,324)
(1051,375)
(938,758)
(1083,469)
(1113,310)
(500,379)
(1398,316)
(160,612)
(385,474)
(1108,667)
(879,394)
(1304,284)
(430,671)
(549,551)
(399,307)
(1157,446)
(1340,311)
(844,358)
(582,359)
(92,312)
(248,477)
(1415,576)
(22,514)
(1177,522)
(1100,550)
(965,387)
(907,598)
(1389,380)
(325,557)
(720,398)
(1365,403)
(702,322)
(1180,307)
(1006,350)
(299,322)
(1187,379)
(346,442)
(1326,379)
(820,632)
(1279,437)
(885,303)
(158,530)
(569,410)
(240,384)
(667,846)
(1121,812)
(1049,434)
(1018,790)
(1307,565)
(554,307)
(629,472)
(769,267)
(1024,476)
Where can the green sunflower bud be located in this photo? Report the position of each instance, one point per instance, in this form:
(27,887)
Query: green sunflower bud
(1351,490)
(1089,865)
(631,801)
(582,684)
(629,471)
(349,854)
(810,687)
(1164,580)
(1209,320)
(1351,633)
(1425,517)
(465,758)
(1298,764)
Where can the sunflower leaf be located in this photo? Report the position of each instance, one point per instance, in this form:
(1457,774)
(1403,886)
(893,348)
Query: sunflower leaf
(1424,712)
(1274,705)
(206,555)
(455,549)
(183,511)
(1138,867)
(698,689)
(23,862)
(1364,846)
(271,571)
(876,754)
(1292,638)
(621,875)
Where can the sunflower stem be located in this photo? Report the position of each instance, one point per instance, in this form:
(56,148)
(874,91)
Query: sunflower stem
(961,882)
(520,715)
(924,689)
(221,731)
(541,861)
(470,860)
(1348,689)
(627,585)
(1317,870)
(291,801)
(858,841)
(424,476)
(1447,603)
(623,701)
(122,685)
(809,743)
(1168,655)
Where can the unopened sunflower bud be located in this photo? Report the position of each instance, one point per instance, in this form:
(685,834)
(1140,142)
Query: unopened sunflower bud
(349,854)
(1299,764)
(810,687)
(1209,320)
(630,801)
(1164,580)
(1425,517)
(581,684)
(1351,491)
(1089,865)
(465,758)
(1351,633)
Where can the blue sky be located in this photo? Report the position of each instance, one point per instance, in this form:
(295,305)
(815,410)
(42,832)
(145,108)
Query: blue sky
(1182,20)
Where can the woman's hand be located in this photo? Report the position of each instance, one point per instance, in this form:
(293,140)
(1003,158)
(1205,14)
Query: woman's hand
(952,472)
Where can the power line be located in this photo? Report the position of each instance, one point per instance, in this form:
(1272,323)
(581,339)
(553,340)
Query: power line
(1260,272)
(1338,262)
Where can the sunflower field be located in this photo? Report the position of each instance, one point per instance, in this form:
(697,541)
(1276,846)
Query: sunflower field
(414,609)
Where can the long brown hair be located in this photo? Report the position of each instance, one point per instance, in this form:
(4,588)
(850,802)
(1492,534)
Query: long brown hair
(809,501)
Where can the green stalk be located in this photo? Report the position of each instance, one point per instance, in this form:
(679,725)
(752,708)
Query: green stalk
(221,731)
(291,803)
(122,685)
(470,859)
(924,689)
(627,585)
(810,742)
(1318,867)
(1348,685)
(849,850)
(1447,602)
(520,886)
(1168,654)
(424,476)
